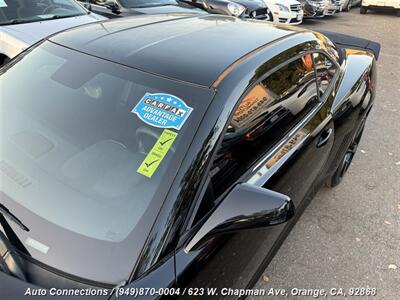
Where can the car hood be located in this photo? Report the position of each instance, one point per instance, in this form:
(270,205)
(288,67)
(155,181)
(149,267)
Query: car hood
(16,289)
(30,33)
(252,4)
(166,9)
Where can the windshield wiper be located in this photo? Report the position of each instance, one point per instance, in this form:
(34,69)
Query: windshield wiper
(13,21)
(5,211)
(61,17)
(38,19)
(14,239)
(9,262)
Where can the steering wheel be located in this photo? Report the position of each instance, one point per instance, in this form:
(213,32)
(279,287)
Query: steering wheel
(43,3)
(47,9)
(146,132)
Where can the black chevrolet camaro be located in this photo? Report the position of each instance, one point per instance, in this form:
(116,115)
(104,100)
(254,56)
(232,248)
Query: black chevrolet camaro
(169,152)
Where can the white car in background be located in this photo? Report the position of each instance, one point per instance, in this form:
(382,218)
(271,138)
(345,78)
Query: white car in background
(393,5)
(333,6)
(25,22)
(285,11)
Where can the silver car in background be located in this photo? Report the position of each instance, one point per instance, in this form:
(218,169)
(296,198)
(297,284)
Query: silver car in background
(333,7)
(346,5)
(25,22)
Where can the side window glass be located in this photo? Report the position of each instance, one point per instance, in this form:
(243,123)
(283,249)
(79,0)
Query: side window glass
(325,69)
(264,116)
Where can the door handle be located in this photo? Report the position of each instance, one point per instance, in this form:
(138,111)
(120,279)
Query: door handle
(324,137)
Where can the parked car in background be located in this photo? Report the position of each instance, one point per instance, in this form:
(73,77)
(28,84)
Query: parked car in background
(255,9)
(285,11)
(314,8)
(123,8)
(170,152)
(346,5)
(24,22)
(333,6)
(391,5)
(224,7)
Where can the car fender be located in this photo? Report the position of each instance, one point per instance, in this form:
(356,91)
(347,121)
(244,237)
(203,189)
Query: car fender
(354,85)
(353,99)
(357,69)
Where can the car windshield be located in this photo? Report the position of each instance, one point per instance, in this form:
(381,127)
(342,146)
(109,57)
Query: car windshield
(23,11)
(78,163)
(147,3)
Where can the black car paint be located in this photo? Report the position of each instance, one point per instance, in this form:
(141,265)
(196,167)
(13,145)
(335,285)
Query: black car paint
(223,261)
(347,41)
(236,260)
(232,214)
(174,44)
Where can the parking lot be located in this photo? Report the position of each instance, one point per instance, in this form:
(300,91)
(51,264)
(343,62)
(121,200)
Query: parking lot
(349,236)
(83,150)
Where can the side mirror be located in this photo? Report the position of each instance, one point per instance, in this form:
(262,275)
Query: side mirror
(246,206)
(112,5)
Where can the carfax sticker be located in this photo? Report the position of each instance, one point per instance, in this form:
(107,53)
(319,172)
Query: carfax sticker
(157,153)
(162,110)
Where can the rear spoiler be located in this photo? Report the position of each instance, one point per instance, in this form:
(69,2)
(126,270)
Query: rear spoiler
(348,41)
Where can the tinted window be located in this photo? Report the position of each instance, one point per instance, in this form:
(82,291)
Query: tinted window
(70,153)
(20,11)
(326,70)
(263,117)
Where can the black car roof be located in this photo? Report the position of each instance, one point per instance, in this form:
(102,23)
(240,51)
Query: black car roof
(190,48)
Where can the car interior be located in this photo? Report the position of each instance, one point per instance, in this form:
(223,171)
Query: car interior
(83,145)
(27,9)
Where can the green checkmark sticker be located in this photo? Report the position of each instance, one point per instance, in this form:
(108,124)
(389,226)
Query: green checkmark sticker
(157,153)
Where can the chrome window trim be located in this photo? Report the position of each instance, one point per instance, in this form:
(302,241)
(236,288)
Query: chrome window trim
(290,135)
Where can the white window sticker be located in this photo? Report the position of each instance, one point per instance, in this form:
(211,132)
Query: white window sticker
(3,3)
(36,244)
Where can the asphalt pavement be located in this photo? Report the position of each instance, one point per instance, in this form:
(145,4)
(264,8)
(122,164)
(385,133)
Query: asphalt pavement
(349,236)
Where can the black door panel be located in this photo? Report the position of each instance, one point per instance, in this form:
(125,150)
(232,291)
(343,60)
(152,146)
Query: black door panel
(301,169)
(284,146)
(233,261)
